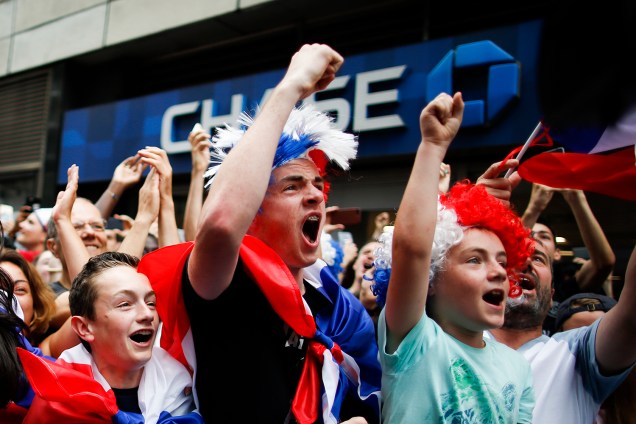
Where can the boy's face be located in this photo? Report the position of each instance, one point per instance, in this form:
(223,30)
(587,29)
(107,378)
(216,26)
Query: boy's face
(470,293)
(123,332)
(292,213)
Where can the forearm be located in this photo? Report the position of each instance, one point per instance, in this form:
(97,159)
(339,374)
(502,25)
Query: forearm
(194,203)
(602,259)
(135,239)
(109,198)
(168,230)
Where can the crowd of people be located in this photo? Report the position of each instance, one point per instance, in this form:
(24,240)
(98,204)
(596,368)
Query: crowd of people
(455,308)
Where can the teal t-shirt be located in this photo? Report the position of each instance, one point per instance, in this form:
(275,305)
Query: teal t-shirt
(434,378)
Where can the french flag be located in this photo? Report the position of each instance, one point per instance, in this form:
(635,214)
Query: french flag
(600,160)
(342,356)
(72,390)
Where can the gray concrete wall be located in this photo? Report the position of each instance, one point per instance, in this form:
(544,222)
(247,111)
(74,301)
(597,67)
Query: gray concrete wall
(38,32)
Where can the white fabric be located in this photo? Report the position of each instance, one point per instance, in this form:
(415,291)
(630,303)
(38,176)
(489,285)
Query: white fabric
(568,386)
(163,384)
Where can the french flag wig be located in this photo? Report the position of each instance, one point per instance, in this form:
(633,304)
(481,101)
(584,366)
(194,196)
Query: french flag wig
(308,133)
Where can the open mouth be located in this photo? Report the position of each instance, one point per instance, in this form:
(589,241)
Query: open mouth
(142,336)
(494,297)
(525,282)
(311,228)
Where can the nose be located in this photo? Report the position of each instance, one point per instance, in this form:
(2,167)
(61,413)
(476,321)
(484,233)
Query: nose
(314,196)
(498,272)
(145,313)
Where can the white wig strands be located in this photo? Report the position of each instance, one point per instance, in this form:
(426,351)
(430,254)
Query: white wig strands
(306,129)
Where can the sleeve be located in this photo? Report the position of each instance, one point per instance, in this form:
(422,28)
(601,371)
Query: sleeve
(526,405)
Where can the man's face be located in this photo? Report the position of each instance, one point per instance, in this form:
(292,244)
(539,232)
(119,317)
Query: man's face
(292,213)
(543,233)
(89,225)
(536,280)
(125,325)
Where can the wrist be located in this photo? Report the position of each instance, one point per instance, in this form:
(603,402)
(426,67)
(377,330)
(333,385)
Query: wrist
(112,195)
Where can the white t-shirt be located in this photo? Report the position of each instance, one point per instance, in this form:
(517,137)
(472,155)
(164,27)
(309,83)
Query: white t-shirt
(568,386)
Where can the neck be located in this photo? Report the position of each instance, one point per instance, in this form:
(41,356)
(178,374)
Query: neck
(515,338)
(471,338)
(298,276)
(120,378)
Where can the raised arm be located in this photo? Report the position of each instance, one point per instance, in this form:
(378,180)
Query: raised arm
(499,186)
(126,174)
(416,219)
(615,341)
(540,197)
(158,159)
(147,212)
(200,144)
(241,181)
(591,276)
(75,253)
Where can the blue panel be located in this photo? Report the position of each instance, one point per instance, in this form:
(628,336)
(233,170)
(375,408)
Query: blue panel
(473,113)
(480,53)
(503,87)
(98,138)
(440,79)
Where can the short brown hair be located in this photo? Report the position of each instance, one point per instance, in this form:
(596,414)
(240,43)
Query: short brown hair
(83,292)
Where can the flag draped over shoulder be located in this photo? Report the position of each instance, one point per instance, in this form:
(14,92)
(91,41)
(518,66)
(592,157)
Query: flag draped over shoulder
(341,356)
(600,160)
(72,390)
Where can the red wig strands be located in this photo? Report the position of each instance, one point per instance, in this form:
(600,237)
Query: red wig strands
(475,207)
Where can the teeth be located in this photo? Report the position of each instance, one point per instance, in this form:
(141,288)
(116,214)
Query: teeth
(312,218)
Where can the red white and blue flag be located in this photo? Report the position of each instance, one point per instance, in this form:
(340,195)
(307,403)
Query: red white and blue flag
(600,160)
(72,390)
(342,356)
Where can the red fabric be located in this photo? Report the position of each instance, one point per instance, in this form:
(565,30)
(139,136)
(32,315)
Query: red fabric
(12,414)
(29,255)
(612,174)
(56,387)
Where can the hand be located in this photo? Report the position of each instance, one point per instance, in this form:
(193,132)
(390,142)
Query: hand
(540,196)
(200,144)
(441,118)
(126,220)
(312,68)
(158,159)
(329,227)
(128,172)
(149,197)
(500,187)
(444,177)
(66,198)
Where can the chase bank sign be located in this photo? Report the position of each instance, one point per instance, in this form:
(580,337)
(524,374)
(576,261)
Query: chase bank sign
(376,95)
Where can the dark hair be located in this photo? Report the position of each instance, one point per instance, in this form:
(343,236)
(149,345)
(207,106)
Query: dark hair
(11,377)
(83,292)
(582,302)
(544,221)
(43,296)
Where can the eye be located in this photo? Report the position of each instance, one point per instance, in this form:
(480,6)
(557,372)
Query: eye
(152,304)
(538,258)
(123,305)
(19,290)
(473,260)
(290,187)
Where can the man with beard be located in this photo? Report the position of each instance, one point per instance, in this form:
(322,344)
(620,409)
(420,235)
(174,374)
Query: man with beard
(573,371)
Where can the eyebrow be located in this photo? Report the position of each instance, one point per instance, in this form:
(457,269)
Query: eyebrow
(133,294)
(296,178)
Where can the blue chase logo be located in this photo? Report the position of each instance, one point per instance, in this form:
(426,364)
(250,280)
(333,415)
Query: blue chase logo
(503,79)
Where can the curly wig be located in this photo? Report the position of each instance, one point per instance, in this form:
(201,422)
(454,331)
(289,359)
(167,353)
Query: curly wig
(465,206)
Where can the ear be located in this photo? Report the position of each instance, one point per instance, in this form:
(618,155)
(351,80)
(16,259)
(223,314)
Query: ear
(82,327)
(52,246)
(431,289)
(557,254)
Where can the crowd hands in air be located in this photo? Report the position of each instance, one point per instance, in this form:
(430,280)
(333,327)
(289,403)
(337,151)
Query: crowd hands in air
(451,310)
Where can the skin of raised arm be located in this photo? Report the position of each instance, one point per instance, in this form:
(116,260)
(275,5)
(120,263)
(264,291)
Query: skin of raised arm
(158,159)
(241,182)
(416,219)
(147,212)
(540,197)
(200,144)
(75,253)
(615,341)
(126,174)
(593,273)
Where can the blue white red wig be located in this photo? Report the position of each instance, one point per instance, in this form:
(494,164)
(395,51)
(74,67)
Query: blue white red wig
(308,133)
(464,206)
